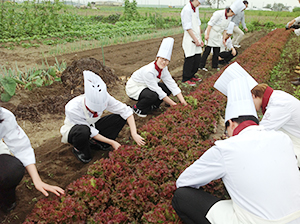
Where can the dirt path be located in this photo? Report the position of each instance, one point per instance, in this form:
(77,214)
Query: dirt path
(55,161)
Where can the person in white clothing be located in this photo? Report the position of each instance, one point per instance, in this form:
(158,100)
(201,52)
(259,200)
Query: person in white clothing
(281,112)
(84,127)
(145,84)
(228,52)
(16,155)
(215,32)
(192,41)
(295,25)
(258,168)
(237,32)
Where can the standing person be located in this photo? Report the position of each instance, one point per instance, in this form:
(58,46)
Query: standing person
(12,166)
(192,41)
(228,52)
(144,85)
(237,32)
(216,31)
(281,112)
(84,127)
(258,168)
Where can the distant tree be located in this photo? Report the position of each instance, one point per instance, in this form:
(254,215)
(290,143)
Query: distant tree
(268,6)
(279,7)
(215,1)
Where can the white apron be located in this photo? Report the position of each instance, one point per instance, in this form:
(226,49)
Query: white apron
(3,148)
(65,129)
(296,143)
(226,211)
(189,48)
(216,34)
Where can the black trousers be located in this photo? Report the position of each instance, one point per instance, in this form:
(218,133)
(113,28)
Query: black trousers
(227,55)
(108,126)
(11,173)
(215,59)
(147,98)
(192,204)
(190,67)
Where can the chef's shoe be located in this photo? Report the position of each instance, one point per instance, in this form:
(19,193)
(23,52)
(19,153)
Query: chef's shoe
(194,79)
(138,111)
(296,83)
(190,83)
(81,156)
(237,46)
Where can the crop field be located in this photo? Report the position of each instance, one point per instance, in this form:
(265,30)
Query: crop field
(134,184)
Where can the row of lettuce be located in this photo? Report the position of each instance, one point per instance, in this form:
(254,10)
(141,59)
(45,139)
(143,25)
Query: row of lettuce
(136,184)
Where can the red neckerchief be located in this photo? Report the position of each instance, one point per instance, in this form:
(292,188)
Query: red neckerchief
(95,114)
(242,126)
(158,69)
(193,7)
(266,99)
(226,14)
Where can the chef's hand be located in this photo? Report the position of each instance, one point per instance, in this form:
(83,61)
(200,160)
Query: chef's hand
(246,29)
(201,43)
(138,139)
(115,145)
(206,37)
(44,188)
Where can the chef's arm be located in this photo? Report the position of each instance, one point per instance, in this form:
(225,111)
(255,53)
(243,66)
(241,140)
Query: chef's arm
(169,101)
(291,23)
(137,138)
(39,184)
(111,142)
(181,99)
(193,36)
(224,37)
(208,29)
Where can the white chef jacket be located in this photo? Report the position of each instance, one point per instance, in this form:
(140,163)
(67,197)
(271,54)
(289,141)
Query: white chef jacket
(297,20)
(259,170)
(76,113)
(15,138)
(239,18)
(218,23)
(190,20)
(228,46)
(283,112)
(146,77)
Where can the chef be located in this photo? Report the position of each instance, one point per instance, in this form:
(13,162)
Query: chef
(216,31)
(145,84)
(84,127)
(192,42)
(228,52)
(16,155)
(281,112)
(258,168)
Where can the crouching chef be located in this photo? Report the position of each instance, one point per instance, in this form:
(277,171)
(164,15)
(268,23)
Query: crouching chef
(16,155)
(258,168)
(84,127)
(281,112)
(144,85)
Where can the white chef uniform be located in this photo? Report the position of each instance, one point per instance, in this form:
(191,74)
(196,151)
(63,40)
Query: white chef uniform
(15,139)
(77,113)
(283,113)
(148,76)
(258,168)
(219,23)
(190,20)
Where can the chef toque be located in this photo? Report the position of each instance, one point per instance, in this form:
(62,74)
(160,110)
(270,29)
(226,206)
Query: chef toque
(165,49)
(95,92)
(233,71)
(230,28)
(239,100)
(201,1)
(237,6)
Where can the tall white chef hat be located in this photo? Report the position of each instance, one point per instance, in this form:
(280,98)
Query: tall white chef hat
(230,28)
(233,71)
(165,49)
(237,6)
(95,92)
(201,1)
(239,99)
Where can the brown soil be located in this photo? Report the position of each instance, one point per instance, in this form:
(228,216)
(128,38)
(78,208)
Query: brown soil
(40,112)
